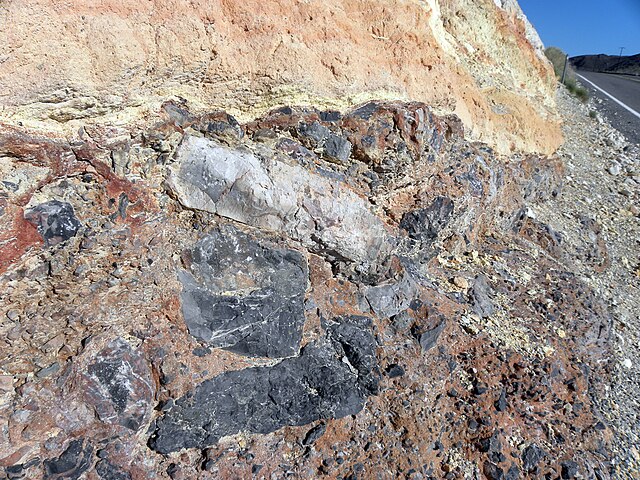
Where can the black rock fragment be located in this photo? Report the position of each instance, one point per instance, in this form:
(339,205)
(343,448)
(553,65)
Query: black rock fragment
(426,223)
(314,434)
(337,149)
(108,471)
(531,457)
(513,473)
(569,469)
(366,111)
(55,220)
(330,116)
(501,403)
(394,371)
(481,297)
(73,462)
(492,471)
(479,388)
(491,444)
(244,296)
(331,378)
(313,134)
(429,338)
(220,125)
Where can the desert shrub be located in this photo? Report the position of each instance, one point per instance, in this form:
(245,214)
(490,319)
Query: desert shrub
(580,92)
(557,57)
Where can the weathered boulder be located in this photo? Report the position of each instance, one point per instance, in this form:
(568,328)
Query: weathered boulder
(73,462)
(331,378)
(324,215)
(244,295)
(424,224)
(118,385)
(56,221)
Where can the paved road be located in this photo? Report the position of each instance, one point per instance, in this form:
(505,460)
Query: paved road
(625,89)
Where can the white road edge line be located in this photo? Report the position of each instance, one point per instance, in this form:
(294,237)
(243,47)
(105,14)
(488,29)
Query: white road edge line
(610,96)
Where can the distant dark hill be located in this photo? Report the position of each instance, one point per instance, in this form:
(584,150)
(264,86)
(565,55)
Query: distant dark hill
(608,63)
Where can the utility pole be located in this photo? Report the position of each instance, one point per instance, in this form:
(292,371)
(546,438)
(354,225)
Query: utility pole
(621,50)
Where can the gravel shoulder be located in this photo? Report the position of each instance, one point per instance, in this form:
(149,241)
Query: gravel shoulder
(602,186)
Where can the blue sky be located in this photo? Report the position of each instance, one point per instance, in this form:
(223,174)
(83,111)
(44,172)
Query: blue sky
(582,27)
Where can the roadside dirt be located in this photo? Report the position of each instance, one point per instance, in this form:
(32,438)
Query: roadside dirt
(598,219)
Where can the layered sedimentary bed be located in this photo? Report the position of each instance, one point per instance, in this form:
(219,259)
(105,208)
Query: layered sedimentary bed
(66,64)
(311,293)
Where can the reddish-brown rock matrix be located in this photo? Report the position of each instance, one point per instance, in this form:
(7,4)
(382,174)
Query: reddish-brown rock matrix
(154,332)
(293,239)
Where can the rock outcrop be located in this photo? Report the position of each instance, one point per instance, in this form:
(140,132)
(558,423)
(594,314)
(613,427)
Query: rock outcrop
(358,292)
(329,276)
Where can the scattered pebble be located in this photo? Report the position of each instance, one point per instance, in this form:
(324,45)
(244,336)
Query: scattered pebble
(615,169)
(461,283)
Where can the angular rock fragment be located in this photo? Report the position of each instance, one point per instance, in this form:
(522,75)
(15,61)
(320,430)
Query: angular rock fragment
(118,385)
(531,457)
(389,135)
(426,223)
(56,221)
(330,379)
(569,469)
(73,462)
(326,216)
(220,125)
(314,434)
(337,149)
(245,296)
(390,299)
(108,471)
(313,134)
(481,296)
(429,338)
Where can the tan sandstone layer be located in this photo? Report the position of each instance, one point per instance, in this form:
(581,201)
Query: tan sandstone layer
(65,64)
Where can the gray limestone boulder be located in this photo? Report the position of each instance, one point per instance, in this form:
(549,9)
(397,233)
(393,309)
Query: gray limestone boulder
(323,214)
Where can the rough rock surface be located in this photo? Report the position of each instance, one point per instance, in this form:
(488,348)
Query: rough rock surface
(279,196)
(334,291)
(237,302)
(330,379)
(243,296)
(118,60)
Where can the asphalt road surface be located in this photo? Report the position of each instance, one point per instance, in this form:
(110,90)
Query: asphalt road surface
(625,89)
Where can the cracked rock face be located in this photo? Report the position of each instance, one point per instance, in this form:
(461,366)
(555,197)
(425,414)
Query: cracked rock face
(244,295)
(235,324)
(330,379)
(73,462)
(269,193)
(424,224)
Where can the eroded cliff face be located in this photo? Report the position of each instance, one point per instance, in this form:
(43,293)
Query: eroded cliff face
(330,276)
(66,64)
